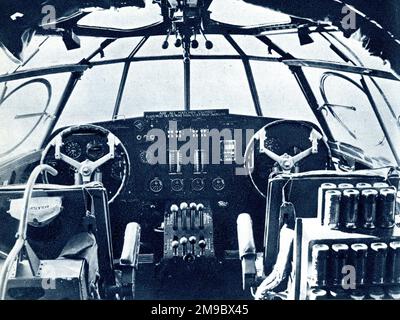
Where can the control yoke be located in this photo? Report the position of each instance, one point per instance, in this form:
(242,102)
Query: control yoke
(285,161)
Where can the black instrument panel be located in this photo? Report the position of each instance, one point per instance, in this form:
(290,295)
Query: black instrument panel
(186,154)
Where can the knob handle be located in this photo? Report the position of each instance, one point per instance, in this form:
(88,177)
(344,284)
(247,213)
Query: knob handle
(202,245)
(192,241)
(200,209)
(192,206)
(174,210)
(175,245)
(183,206)
(183,241)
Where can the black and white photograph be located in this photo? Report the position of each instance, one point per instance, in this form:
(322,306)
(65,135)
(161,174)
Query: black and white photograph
(209,151)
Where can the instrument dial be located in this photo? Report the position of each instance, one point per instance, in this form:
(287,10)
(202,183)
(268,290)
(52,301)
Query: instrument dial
(118,169)
(156,185)
(198,184)
(218,184)
(177,185)
(95,150)
(143,157)
(73,149)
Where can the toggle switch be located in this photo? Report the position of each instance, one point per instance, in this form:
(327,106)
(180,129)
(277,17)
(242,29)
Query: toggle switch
(199,161)
(184,242)
(175,245)
(183,206)
(192,241)
(193,207)
(200,211)
(174,210)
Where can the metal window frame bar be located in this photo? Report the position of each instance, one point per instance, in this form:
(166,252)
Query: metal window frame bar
(81,67)
(249,74)
(124,76)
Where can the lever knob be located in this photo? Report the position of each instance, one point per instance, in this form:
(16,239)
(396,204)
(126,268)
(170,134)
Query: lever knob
(183,241)
(183,206)
(202,245)
(192,241)
(174,210)
(193,207)
(175,245)
(200,211)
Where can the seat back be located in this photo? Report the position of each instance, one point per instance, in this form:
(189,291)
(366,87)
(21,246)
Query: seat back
(84,208)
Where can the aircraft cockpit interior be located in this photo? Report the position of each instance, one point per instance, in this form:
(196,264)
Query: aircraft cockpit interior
(159,150)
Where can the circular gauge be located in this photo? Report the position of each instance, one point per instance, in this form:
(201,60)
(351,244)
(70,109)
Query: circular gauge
(197,184)
(95,150)
(143,156)
(218,184)
(139,125)
(73,149)
(177,185)
(156,185)
(118,169)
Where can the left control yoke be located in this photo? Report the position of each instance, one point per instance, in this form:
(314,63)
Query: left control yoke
(86,167)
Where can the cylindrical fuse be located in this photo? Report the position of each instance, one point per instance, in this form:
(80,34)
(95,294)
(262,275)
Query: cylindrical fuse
(393,262)
(368,208)
(321,199)
(319,265)
(377,293)
(386,208)
(332,208)
(349,206)
(338,260)
(363,185)
(380,185)
(345,186)
(358,258)
(377,260)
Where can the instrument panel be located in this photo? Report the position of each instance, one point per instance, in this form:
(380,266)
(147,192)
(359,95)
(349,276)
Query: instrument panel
(186,154)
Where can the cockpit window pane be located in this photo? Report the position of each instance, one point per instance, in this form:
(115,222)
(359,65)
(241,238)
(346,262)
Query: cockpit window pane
(221,85)
(349,113)
(153,86)
(23,122)
(279,93)
(94,96)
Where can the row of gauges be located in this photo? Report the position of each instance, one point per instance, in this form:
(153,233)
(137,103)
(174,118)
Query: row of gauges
(94,149)
(156,185)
